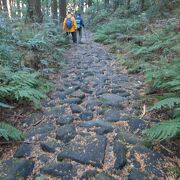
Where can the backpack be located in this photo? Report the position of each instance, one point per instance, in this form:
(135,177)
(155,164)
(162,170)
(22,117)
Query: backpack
(69,23)
(78,22)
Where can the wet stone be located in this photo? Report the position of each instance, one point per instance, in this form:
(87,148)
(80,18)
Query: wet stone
(86,116)
(112,100)
(48,147)
(42,131)
(136,174)
(86,150)
(100,91)
(119,78)
(112,115)
(78,94)
(60,94)
(120,92)
(55,112)
(63,170)
(66,133)
(76,109)
(137,124)
(101,126)
(43,158)
(73,101)
(91,104)
(65,119)
(103,176)
(49,104)
(88,174)
(120,152)
(23,151)
(16,169)
(127,138)
(153,161)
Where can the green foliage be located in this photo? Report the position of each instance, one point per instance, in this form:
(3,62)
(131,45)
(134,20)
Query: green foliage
(163,130)
(22,86)
(24,50)
(9,132)
(166,103)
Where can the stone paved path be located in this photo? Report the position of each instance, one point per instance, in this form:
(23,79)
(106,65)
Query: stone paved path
(89,127)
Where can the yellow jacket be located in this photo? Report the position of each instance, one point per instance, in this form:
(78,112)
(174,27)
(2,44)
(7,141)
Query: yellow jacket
(74,27)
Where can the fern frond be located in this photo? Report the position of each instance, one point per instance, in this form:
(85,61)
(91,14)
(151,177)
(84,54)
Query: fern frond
(166,103)
(9,132)
(163,130)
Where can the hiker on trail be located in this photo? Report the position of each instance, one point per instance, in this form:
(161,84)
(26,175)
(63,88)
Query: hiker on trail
(69,25)
(80,24)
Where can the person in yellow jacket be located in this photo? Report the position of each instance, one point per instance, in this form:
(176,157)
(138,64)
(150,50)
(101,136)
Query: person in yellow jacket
(70,26)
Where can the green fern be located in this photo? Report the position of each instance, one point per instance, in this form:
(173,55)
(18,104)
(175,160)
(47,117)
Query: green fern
(9,132)
(163,130)
(166,103)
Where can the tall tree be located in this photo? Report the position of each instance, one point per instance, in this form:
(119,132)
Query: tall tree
(142,5)
(62,8)
(97,5)
(81,3)
(128,4)
(0,5)
(89,2)
(18,7)
(38,16)
(30,10)
(106,3)
(54,9)
(4,3)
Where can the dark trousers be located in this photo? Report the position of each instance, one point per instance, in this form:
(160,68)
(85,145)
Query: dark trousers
(74,37)
(79,31)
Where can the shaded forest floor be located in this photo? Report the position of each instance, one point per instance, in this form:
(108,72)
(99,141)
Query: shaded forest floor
(90,126)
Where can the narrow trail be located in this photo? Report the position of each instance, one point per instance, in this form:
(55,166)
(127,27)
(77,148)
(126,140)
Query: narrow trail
(89,127)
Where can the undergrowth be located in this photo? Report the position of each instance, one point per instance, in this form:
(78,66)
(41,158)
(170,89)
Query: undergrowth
(29,53)
(148,41)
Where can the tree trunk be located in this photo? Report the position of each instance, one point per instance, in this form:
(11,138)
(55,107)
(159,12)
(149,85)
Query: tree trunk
(81,3)
(30,10)
(38,17)
(97,5)
(18,8)
(0,5)
(106,4)
(54,9)
(4,3)
(116,4)
(128,4)
(62,8)
(142,5)
(89,3)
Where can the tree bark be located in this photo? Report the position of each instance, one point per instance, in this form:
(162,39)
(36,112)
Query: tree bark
(106,4)
(0,5)
(89,3)
(128,4)
(18,8)
(142,5)
(54,9)
(81,3)
(37,11)
(62,8)
(4,3)
(116,4)
(97,5)
(30,11)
